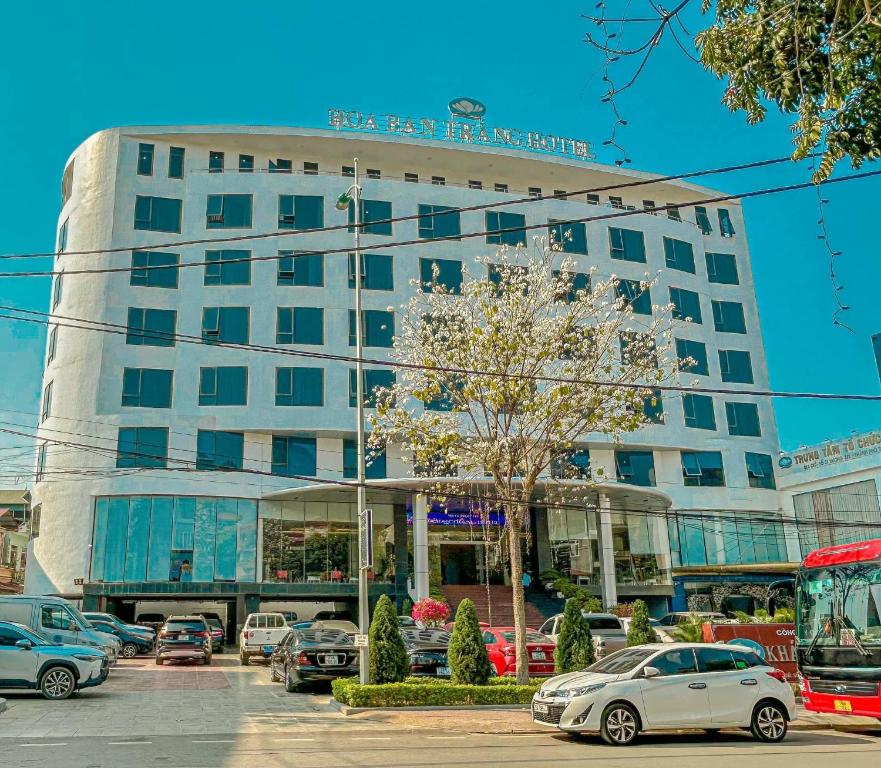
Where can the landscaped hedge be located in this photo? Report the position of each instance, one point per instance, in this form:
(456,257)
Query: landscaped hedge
(431,692)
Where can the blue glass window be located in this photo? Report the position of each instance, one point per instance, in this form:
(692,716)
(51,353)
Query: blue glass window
(437,221)
(736,366)
(300,211)
(153,269)
(743,419)
(229,211)
(578,281)
(299,386)
(227,324)
(158,214)
(696,350)
(686,304)
(760,471)
(223,386)
(142,447)
(505,228)
(145,159)
(299,325)
(228,268)
(722,268)
(571,464)
(300,268)
(46,410)
(215,162)
(220,450)
(626,244)
(699,411)
(726,227)
(679,254)
(570,236)
(378,327)
(639,298)
(62,237)
(703,220)
(246,163)
(449,274)
(151,327)
(280,165)
(728,317)
(176,162)
(703,468)
(57,289)
(374,461)
(147,387)
(635,467)
(373,379)
(653,407)
(375,217)
(53,344)
(376,271)
(293,455)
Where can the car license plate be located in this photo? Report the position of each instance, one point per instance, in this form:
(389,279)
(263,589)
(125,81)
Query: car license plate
(541,708)
(443,671)
(332,660)
(185,637)
(843,706)
(268,648)
(539,655)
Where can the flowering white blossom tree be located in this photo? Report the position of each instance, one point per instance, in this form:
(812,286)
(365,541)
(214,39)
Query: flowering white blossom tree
(510,370)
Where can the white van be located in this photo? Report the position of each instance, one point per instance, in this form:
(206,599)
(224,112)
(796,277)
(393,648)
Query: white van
(57,619)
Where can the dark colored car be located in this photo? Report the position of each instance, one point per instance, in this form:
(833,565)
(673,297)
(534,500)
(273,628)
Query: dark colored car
(152,620)
(218,636)
(427,651)
(132,644)
(311,655)
(407,622)
(182,638)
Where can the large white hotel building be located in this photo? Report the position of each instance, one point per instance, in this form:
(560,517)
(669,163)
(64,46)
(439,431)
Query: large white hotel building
(140,427)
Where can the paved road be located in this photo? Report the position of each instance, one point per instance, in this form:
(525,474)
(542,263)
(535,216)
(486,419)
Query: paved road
(396,749)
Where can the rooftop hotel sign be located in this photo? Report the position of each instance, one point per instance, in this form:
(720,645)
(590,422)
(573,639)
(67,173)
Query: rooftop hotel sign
(465,125)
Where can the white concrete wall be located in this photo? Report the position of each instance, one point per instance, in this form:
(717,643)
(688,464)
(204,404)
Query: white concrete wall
(87,370)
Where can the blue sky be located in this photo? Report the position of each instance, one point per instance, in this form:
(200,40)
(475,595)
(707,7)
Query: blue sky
(68,70)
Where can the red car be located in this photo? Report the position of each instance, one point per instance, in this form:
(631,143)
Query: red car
(500,647)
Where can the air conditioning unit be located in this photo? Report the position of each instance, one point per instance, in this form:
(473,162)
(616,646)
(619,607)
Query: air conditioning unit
(215,218)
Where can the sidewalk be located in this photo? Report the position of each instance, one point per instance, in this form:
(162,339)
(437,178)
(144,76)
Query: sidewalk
(519,720)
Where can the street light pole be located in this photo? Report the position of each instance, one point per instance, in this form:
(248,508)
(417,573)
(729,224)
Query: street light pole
(363,603)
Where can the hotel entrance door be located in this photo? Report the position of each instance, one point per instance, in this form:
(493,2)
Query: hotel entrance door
(461,563)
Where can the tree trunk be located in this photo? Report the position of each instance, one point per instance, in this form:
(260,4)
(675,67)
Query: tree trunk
(518,597)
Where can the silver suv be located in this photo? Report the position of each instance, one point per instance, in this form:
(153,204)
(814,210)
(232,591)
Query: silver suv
(608,632)
(29,659)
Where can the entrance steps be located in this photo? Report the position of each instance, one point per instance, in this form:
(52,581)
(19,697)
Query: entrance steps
(499,600)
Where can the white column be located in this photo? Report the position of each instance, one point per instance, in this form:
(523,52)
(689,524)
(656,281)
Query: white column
(420,545)
(608,586)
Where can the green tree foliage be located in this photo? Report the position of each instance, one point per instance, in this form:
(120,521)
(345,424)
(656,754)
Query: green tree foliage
(575,648)
(469,662)
(691,631)
(388,656)
(816,59)
(640,631)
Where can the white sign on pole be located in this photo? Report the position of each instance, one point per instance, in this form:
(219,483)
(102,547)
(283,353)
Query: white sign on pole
(361,641)
(365,522)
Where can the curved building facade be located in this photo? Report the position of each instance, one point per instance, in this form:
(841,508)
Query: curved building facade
(136,420)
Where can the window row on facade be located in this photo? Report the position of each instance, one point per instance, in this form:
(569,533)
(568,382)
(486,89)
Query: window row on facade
(245,163)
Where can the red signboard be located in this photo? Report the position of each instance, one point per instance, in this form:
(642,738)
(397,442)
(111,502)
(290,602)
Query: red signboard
(778,640)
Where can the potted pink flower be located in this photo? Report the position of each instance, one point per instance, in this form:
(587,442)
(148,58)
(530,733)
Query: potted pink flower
(430,612)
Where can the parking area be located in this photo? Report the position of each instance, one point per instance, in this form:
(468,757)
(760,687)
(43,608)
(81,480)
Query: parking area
(143,699)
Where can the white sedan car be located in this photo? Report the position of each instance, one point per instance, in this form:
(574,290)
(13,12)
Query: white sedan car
(669,686)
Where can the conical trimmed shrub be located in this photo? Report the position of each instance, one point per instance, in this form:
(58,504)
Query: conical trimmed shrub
(467,657)
(641,631)
(575,650)
(388,656)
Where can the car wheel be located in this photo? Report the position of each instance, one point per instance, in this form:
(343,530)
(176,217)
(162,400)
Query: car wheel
(57,683)
(244,659)
(768,722)
(619,725)
(291,680)
(129,651)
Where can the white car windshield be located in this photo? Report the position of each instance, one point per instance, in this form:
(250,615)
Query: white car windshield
(623,661)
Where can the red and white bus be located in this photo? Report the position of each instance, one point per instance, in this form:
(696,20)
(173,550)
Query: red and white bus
(838,629)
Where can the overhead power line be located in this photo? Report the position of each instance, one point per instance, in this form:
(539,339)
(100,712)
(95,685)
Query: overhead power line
(100,326)
(446,238)
(411,217)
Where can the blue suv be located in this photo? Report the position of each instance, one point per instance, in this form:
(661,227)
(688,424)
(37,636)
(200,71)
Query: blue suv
(28,659)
